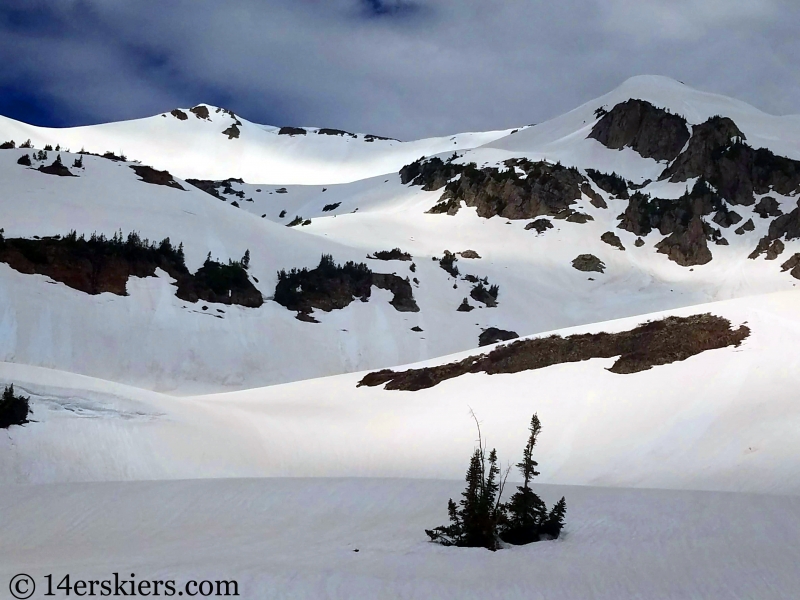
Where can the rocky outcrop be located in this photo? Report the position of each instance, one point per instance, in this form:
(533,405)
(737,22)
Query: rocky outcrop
(637,124)
(588,263)
(492,335)
(403,300)
(718,154)
(99,265)
(596,199)
(767,207)
(748,226)
(431,174)
(155,177)
(394,254)
(232,132)
(612,239)
(651,344)
(292,131)
(338,132)
(610,183)
(772,249)
(687,246)
(726,218)
(201,112)
(179,114)
(785,227)
(540,225)
(330,286)
(793,266)
(544,189)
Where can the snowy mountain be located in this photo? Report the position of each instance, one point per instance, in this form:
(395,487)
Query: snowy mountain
(333,305)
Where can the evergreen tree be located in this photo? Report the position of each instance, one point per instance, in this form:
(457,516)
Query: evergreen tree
(526,511)
(246,260)
(555,520)
(14,410)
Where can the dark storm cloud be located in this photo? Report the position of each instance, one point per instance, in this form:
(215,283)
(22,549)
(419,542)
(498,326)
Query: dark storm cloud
(393,67)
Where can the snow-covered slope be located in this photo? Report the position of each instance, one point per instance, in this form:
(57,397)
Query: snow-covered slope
(196,147)
(297,539)
(722,420)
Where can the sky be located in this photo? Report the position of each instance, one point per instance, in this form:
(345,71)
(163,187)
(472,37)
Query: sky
(401,68)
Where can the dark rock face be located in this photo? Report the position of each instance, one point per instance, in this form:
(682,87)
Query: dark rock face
(403,300)
(540,225)
(431,174)
(179,114)
(588,262)
(718,154)
(546,189)
(726,218)
(650,131)
(610,183)
(772,248)
(101,265)
(595,198)
(688,247)
(25,160)
(612,239)
(292,131)
(150,175)
(784,227)
(330,207)
(232,132)
(469,254)
(201,112)
(793,266)
(492,335)
(680,220)
(651,344)
(339,132)
(639,242)
(331,287)
(767,207)
(573,216)
(748,226)
(417,329)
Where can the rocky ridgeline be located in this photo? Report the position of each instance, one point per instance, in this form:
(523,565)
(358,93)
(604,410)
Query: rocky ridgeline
(523,190)
(728,170)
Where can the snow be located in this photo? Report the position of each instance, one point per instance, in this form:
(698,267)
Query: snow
(296,538)
(233,443)
(196,148)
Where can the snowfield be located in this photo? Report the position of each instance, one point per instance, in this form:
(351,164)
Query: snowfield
(196,440)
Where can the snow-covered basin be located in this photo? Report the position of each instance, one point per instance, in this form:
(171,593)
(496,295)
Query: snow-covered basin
(725,419)
(297,538)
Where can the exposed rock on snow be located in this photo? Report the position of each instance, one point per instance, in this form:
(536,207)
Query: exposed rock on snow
(292,131)
(717,153)
(687,246)
(648,345)
(767,207)
(492,335)
(588,262)
(612,239)
(792,265)
(100,265)
(150,175)
(179,114)
(540,225)
(637,124)
(330,287)
(610,183)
